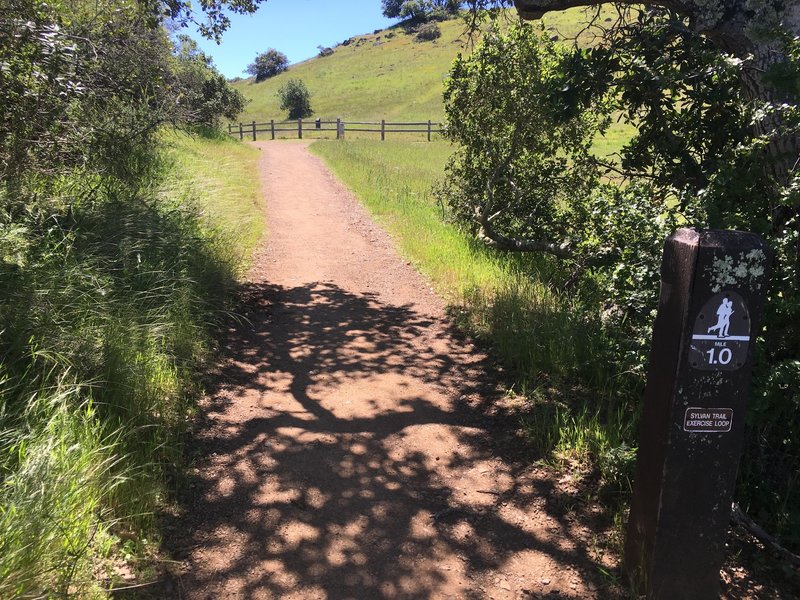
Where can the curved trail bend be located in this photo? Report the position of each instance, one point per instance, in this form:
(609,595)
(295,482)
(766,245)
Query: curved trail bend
(348,453)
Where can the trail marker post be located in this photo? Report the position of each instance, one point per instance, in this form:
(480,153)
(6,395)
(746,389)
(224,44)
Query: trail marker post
(254,131)
(713,285)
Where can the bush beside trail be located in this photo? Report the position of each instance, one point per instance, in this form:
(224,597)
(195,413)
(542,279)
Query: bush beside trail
(526,113)
(110,286)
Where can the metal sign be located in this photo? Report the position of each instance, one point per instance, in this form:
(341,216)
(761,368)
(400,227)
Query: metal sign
(721,334)
(708,420)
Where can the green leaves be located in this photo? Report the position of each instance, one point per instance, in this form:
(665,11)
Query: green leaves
(296,98)
(525,131)
(268,64)
(205,96)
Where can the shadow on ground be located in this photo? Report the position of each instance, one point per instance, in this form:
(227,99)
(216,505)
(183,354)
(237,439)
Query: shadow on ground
(321,474)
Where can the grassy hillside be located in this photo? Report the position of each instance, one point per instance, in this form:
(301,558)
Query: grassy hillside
(386,74)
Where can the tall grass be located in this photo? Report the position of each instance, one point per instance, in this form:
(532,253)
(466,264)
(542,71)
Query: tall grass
(60,478)
(107,307)
(525,307)
(222,177)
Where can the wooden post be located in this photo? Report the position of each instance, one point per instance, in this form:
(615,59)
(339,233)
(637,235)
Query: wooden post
(383,129)
(272,127)
(429,130)
(713,287)
(241,132)
(299,129)
(230,129)
(254,131)
(338,127)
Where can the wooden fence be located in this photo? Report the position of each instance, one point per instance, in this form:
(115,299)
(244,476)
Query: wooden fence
(339,126)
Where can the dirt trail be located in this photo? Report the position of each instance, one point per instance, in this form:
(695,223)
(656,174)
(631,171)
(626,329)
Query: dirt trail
(348,453)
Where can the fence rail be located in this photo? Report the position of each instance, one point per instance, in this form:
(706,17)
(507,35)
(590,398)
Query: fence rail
(300,126)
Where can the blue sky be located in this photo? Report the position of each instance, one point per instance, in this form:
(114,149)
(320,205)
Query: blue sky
(294,27)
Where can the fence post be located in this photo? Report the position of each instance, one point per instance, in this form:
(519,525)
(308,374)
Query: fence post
(254,131)
(338,127)
(241,132)
(429,130)
(230,129)
(299,129)
(272,127)
(383,129)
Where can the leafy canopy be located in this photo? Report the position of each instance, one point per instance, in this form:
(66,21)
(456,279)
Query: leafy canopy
(419,10)
(268,64)
(523,169)
(205,95)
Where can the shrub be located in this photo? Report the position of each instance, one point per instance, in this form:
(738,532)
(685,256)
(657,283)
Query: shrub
(296,98)
(526,114)
(428,32)
(324,51)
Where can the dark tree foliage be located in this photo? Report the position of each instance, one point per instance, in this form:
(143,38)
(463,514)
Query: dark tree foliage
(428,32)
(420,10)
(79,95)
(268,64)
(86,93)
(295,98)
(205,97)
(392,8)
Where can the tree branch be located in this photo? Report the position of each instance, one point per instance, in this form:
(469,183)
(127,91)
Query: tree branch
(484,218)
(492,238)
(738,517)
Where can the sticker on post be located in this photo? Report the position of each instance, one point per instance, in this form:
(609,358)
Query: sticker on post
(721,334)
(708,420)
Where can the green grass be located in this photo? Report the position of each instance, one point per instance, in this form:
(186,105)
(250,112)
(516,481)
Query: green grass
(370,79)
(222,176)
(377,76)
(105,323)
(550,337)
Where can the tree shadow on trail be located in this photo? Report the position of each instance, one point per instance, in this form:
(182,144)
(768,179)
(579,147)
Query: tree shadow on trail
(312,495)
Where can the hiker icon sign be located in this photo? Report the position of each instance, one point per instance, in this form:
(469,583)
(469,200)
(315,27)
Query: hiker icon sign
(721,334)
